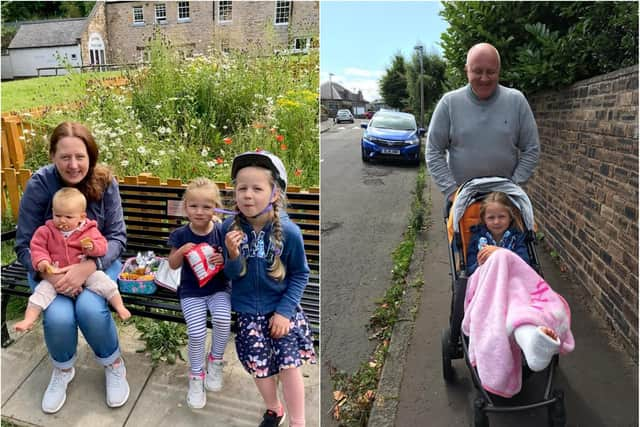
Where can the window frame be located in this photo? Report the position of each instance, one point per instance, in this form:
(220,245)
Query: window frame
(182,6)
(280,5)
(306,40)
(141,10)
(228,5)
(158,7)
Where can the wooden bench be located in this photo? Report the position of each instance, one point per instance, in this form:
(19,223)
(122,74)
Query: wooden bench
(151,211)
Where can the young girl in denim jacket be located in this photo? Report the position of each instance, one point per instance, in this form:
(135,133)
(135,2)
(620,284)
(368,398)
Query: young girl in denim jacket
(267,266)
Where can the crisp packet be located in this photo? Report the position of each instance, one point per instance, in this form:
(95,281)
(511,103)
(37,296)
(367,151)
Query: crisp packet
(198,258)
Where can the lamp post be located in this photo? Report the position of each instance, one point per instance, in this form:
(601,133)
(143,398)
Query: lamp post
(419,48)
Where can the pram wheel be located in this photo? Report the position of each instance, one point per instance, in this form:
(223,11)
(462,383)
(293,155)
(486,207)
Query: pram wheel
(447,369)
(479,417)
(556,412)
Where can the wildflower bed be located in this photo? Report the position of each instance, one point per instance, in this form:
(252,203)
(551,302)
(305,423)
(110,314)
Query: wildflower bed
(182,118)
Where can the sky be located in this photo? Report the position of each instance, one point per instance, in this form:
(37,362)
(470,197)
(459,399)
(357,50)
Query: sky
(358,39)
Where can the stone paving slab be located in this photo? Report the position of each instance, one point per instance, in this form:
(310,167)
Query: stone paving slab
(158,395)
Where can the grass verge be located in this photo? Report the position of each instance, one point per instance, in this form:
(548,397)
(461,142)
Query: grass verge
(354,394)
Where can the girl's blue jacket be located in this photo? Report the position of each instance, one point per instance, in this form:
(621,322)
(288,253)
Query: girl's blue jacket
(513,239)
(256,292)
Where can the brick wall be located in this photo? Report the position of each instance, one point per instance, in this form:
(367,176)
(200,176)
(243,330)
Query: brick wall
(585,190)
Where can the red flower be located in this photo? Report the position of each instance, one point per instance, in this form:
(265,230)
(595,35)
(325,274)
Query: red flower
(219,160)
(227,140)
(280,138)
(283,147)
(298,172)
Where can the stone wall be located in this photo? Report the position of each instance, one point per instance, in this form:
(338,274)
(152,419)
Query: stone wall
(252,23)
(96,23)
(585,190)
(128,40)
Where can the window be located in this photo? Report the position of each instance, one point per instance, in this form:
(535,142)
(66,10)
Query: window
(301,44)
(161,12)
(183,10)
(283,10)
(224,11)
(138,16)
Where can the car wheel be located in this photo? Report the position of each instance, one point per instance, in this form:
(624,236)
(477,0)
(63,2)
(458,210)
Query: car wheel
(365,156)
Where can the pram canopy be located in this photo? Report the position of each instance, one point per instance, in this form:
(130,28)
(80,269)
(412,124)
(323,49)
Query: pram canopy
(469,191)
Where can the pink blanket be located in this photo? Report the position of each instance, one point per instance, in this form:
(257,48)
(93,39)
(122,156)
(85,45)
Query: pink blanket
(503,293)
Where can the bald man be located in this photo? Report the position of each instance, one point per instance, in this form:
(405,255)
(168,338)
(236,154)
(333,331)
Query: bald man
(481,129)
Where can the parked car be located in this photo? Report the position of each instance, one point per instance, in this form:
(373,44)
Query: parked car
(369,114)
(391,135)
(344,116)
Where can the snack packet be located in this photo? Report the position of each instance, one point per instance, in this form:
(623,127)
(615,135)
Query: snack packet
(198,258)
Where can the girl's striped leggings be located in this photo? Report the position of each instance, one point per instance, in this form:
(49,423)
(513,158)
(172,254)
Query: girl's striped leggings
(194,310)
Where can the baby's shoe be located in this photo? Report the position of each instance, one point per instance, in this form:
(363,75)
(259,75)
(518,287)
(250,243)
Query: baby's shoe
(537,345)
(213,381)
(196,397)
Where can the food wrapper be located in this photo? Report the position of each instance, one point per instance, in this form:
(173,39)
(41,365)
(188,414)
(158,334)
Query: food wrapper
(198,258)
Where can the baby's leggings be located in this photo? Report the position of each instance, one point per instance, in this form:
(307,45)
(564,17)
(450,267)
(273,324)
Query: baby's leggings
(293,390)
(194,310)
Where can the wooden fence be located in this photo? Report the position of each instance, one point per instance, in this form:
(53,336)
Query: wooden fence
(15,180)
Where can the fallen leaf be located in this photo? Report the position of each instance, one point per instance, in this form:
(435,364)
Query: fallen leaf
(338,395)
(372,364)
(369,395)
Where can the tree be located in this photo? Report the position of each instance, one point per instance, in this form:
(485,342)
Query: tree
(433,78)
(393,85)
(35,10)
(543,45)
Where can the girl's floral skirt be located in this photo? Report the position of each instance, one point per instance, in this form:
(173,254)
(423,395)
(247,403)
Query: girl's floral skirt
(263,356)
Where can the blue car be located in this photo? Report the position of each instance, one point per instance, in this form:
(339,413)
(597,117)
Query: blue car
(391,135)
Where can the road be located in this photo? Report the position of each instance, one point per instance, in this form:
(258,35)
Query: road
(364,211)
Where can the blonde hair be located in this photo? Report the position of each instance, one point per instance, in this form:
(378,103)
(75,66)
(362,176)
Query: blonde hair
(204,185)
(277,270)
(504,200)
(70,196)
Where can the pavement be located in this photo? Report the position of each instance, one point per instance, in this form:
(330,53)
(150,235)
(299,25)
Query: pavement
(326,125)
(157,395)
(600,379)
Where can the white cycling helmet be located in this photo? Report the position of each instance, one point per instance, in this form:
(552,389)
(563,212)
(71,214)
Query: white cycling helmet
(262,159)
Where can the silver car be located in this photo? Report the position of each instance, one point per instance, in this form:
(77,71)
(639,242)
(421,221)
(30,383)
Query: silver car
(344,116)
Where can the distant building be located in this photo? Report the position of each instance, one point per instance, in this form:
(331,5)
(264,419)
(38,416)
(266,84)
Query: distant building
(41,44)
(117,32)
(334,97)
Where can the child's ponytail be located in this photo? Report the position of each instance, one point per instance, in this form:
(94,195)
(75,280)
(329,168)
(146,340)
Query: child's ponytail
(236,226)
(277,270)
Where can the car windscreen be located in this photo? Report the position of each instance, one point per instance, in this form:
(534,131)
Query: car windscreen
(393,122)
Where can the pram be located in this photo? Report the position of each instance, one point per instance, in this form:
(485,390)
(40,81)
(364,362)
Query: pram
(459,217)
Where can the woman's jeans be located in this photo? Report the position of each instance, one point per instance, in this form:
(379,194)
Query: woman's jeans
(88,311)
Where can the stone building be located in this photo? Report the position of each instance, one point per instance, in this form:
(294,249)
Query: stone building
(118,32)
(195,26)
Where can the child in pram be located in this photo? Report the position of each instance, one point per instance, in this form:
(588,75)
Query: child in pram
(508,306)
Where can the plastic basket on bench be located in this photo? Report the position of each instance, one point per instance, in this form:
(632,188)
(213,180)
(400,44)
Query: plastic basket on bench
(137,280)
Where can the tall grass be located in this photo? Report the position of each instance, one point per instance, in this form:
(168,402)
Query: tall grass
(183,118)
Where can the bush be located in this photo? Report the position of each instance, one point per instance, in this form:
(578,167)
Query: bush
(543,45)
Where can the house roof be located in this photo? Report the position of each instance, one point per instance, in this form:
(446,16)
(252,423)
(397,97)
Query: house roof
(49,33)
(338,92)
